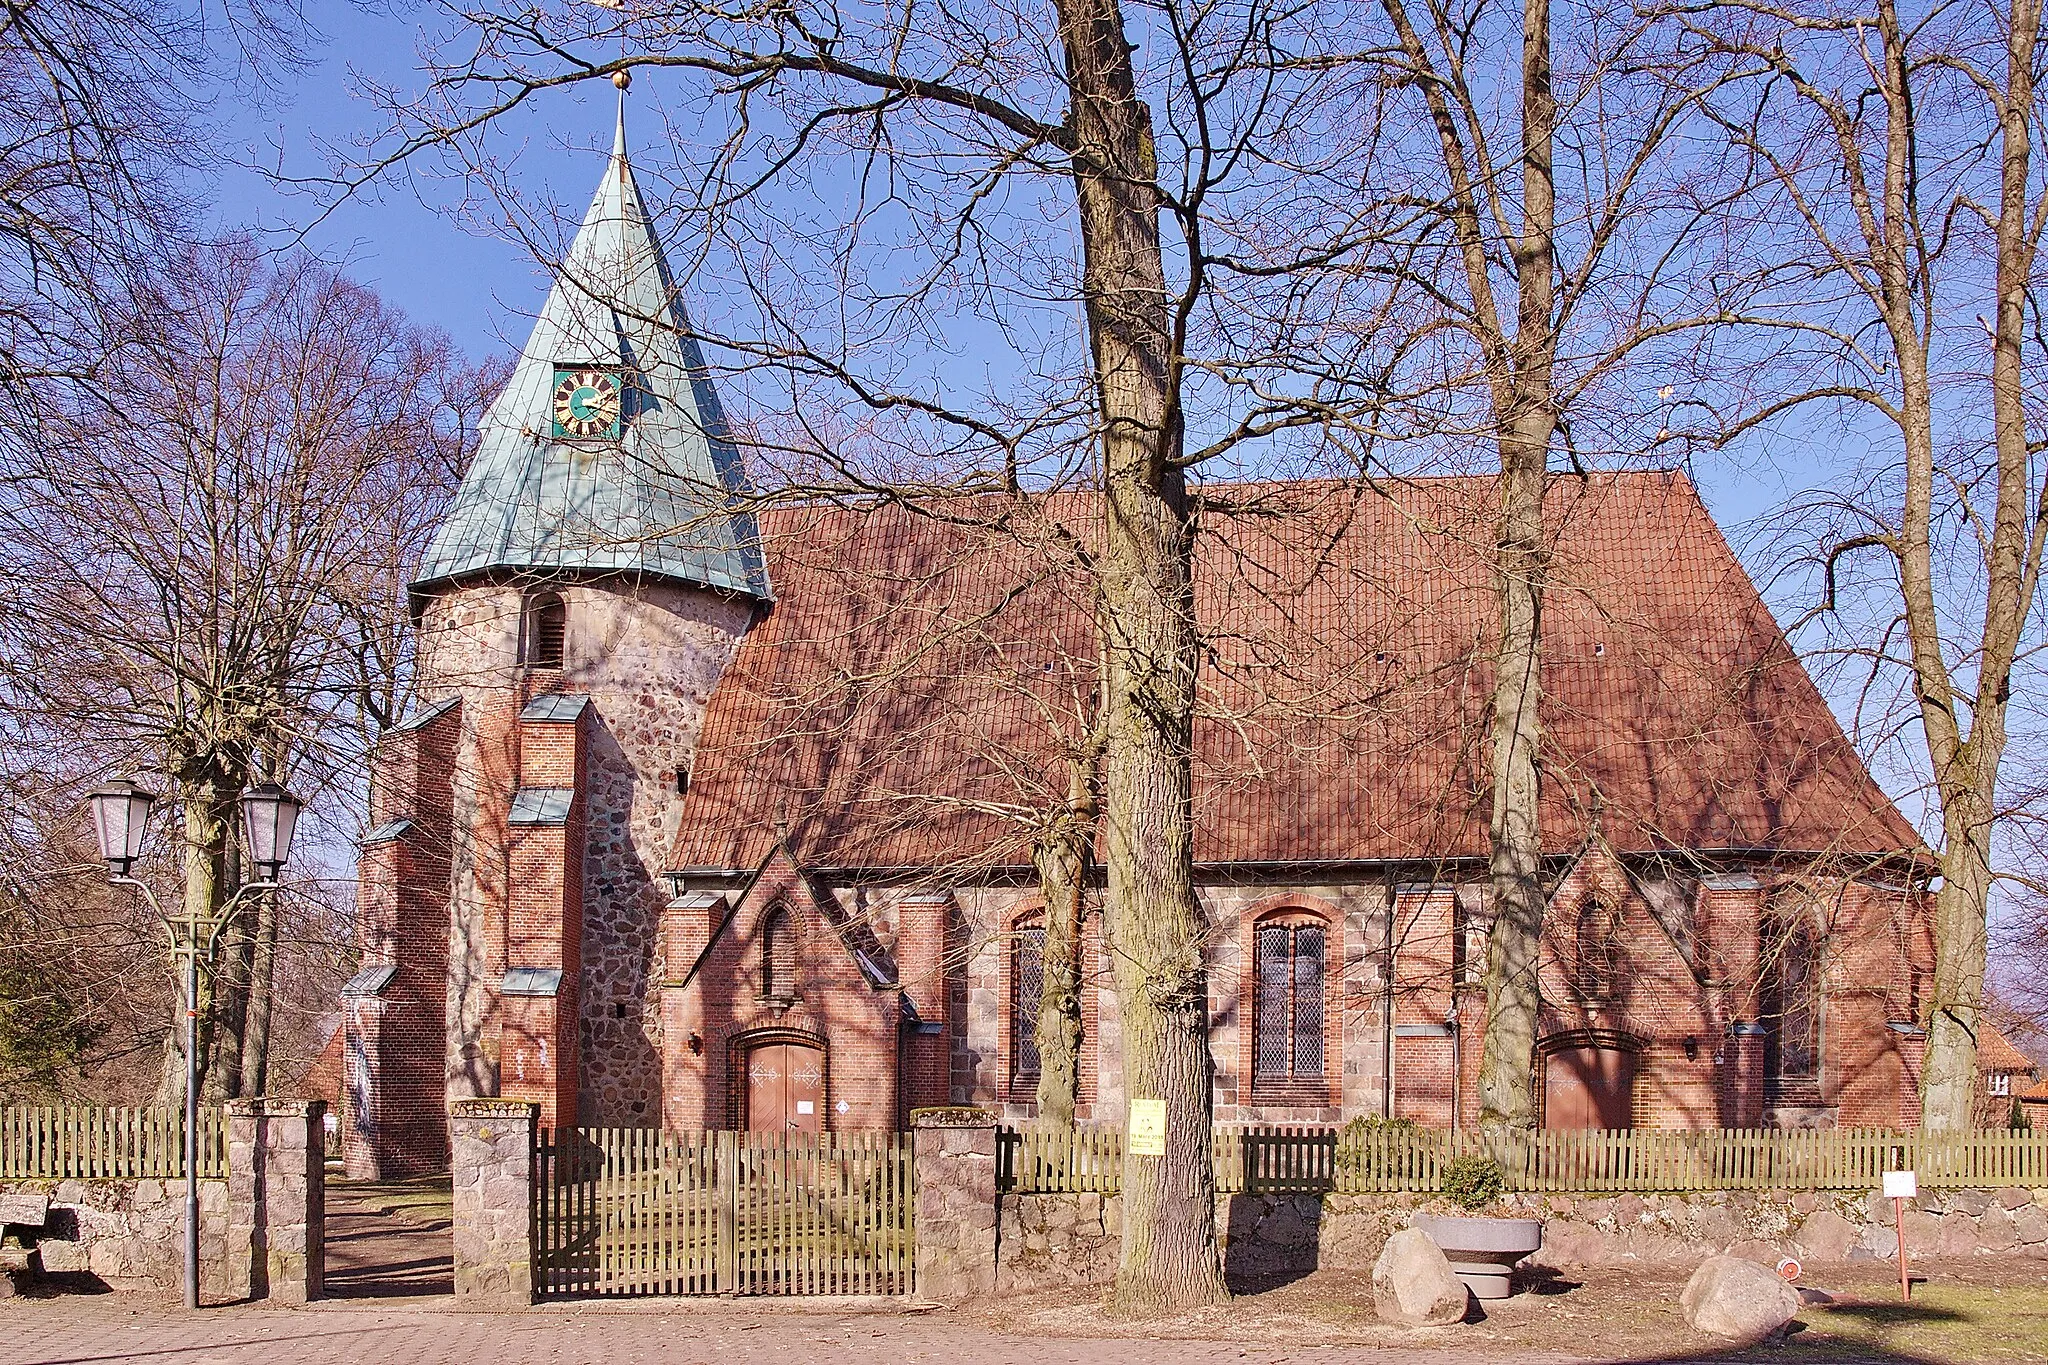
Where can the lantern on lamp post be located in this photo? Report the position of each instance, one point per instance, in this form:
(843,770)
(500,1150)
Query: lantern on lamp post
(120,818)
(270,814)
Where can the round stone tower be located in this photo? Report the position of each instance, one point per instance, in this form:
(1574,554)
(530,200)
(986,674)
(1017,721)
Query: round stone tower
(594,574)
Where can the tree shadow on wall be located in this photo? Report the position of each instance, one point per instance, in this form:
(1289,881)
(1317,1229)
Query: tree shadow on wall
(619,1073)
(1271,1240)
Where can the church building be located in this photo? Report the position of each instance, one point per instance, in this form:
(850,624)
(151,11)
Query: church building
(719,811)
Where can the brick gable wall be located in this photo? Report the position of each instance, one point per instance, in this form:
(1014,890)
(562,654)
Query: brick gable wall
(722,1011)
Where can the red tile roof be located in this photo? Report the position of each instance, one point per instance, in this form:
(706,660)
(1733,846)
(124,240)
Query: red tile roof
(1995,1052)
(904,702)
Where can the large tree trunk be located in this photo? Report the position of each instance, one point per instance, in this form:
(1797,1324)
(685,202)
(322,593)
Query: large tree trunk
(1513,995)
(1526,409)
(262,974)
(233,964)
(1061,858)
(205,840)
(1169,1257)
(1966,771)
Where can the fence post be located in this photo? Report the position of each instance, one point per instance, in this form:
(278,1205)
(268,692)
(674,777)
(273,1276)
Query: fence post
(955,1155)
(491,1150)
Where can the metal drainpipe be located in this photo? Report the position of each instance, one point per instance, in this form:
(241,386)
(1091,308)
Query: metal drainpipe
(1387,1012)
(1457,1060)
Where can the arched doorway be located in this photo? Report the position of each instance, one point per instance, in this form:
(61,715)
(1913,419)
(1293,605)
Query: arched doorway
(785,1086)
(1589,1083)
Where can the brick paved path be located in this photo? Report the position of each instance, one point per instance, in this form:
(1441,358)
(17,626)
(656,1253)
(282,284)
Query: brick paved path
(74,1330)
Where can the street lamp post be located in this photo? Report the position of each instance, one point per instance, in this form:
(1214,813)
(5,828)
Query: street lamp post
(270,814)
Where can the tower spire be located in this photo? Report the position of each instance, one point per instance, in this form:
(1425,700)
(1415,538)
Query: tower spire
(660,492)
(623,79)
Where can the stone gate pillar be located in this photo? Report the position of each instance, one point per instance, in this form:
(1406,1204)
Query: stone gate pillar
(955,1153)
(277,1200)
(492,1151)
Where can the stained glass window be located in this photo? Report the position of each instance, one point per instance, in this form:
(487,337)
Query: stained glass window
(1287,1022)
(1027,980)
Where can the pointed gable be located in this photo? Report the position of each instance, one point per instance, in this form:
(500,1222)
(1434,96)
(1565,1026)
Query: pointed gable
(664,500)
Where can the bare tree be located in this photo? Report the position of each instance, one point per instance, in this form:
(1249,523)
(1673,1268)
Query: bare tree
(1556,286)
(1900,148)
(194,545)
(103,113)
(910,127)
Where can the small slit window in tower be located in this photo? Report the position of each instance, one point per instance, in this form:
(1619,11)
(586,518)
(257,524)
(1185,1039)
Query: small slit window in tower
(547,629)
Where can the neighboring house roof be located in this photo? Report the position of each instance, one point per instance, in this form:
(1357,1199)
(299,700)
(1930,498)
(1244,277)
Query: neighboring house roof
(2037,1093)
(662,501)
(905,701)
(1995,1052)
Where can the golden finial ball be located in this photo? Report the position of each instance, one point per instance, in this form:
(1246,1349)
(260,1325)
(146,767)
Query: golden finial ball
(622,79)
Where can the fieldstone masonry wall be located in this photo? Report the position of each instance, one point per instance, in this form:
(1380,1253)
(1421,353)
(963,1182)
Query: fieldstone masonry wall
(261,1231)
(128,1233)
(1059,1240)
(492,1143)
(955,1151)
(277,1199)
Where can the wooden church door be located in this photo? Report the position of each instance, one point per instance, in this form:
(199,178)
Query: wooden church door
(786,1088)
(1588,1087)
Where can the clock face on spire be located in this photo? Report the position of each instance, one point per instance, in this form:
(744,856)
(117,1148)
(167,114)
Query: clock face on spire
(588,403)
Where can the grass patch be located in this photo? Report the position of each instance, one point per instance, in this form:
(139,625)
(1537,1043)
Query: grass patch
(1947,1320)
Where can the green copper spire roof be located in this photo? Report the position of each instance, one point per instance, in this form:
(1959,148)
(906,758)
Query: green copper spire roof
(662,499)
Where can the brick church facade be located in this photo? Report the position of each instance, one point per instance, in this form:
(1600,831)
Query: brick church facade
(722,817)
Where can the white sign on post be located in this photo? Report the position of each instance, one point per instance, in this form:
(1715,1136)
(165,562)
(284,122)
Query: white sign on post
(1900,1185)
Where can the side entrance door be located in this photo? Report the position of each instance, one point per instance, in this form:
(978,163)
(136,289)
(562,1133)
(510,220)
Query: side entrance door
(786,1088)
(1588,1087)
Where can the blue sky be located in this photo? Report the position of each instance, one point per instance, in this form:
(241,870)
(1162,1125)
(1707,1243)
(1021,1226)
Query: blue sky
(440,259)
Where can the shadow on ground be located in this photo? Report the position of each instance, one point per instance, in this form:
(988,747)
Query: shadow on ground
(390,1239)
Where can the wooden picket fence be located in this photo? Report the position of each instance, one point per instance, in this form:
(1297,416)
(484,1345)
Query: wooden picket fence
(106,1142)
(1395,1158)
(636,1211)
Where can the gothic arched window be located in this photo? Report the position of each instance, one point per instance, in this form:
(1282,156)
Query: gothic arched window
(1289,952)
(1596,949)
(1792,1001)
(547,629)
(778,955)
(1027,984)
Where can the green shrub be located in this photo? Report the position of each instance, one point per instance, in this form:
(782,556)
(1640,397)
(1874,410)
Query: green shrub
(1473,1182)
(1354,1154)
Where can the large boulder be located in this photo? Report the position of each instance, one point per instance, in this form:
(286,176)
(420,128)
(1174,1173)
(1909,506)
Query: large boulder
(1738,1299)
(1413,1284)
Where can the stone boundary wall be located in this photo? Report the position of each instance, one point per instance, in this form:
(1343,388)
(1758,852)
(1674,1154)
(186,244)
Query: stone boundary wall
(128,1233)
(491,1146)
(262,1230)
(958,1242)
(1046,1241)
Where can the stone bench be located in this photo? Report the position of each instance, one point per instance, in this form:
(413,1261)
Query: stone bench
(27,1211)
(19,1213)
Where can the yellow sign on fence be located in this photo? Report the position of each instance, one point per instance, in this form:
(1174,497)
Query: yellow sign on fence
(1148,1128)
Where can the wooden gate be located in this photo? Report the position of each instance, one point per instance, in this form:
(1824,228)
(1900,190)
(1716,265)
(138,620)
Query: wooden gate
(636,1211)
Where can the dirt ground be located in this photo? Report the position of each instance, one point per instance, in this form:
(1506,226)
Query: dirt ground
(1981,1309)
(390,1239)
(1985,1309)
